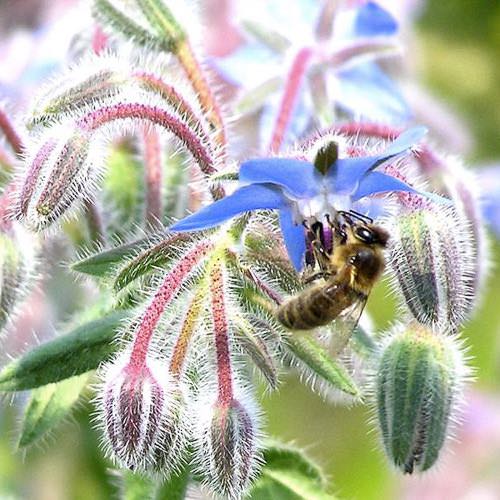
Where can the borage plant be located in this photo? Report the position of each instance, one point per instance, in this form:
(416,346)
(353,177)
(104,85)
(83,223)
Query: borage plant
(185,319)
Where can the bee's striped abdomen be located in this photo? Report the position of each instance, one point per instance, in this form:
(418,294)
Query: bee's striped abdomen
(309,309)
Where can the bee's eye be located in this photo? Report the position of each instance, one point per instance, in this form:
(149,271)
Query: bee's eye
(364,234)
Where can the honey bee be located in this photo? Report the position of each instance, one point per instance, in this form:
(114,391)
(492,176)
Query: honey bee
(347,274)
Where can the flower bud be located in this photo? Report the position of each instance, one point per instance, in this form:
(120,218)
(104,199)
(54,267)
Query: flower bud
(227,452)
(140,410)
(432,260)
(417,385)
(57,175)
(17,261)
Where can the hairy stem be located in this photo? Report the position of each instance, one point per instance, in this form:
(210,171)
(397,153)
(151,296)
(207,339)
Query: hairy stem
(153,177)
(155,115)
(187,332)
(198,80)
(164,295)
(294,80)
(221,333)
(10,133)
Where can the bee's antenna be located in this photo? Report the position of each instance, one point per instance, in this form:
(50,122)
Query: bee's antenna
(359,216)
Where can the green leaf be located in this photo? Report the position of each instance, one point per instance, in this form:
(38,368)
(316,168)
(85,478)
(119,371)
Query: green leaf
(289,475)
(256,348)
(364,344)
(175,487)
(150,259)
(104,263)
(318,359)
(137,487)
(108,15)
(77,352)
(47,406)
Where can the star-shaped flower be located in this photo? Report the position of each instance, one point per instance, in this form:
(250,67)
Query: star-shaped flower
(299,189)
(330,56)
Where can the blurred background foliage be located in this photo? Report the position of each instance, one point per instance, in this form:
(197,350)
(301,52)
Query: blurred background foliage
(457,47)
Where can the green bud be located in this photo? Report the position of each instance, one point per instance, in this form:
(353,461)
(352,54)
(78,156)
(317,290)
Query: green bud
(417,385)
(432,260)
(17,265)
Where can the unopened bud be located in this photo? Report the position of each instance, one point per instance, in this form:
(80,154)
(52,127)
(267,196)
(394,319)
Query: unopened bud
(417,386)
(140,410)
(56,176)
(432,260)
(76,94)
(227,452)
(17,261)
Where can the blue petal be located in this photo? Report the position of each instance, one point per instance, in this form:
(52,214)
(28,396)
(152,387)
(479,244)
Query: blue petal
(377,182)
(373,20)
(365,91)
(248,66)
(405,141)
(350,171)
(242,200)
(294,237)
(297,177)
(489,187)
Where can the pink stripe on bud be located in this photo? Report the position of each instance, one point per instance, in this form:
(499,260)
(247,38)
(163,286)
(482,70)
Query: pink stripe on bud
(32,176)
(227,451)
(64,180)
(141,414)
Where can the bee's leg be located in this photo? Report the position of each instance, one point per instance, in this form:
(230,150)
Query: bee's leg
(310,237)
(321,255)
(318,275)
(339,235)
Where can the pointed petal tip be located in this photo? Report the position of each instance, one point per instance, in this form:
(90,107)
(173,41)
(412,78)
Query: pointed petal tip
(413,135)
(294,238)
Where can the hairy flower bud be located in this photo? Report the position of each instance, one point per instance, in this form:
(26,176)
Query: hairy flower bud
(17,260)
(432,260)
(57,175)
(140,414)
(417,386)
(227,449)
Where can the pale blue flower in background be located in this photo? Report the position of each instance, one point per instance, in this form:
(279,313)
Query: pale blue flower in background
(489,186)
(343,58)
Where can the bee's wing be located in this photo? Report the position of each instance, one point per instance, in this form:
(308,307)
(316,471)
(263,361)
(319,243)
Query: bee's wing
(344,325)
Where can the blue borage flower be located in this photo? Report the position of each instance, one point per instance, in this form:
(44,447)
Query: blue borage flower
(298,190)
(345,61)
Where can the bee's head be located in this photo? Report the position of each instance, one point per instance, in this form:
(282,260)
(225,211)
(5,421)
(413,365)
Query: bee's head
(370,234)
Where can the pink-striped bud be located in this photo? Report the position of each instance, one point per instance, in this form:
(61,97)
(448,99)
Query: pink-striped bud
(60,172)
(227,451)
(140,413)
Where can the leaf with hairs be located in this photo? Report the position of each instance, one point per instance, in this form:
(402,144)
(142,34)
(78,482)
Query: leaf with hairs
(48,405)
(79,351)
